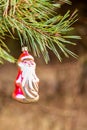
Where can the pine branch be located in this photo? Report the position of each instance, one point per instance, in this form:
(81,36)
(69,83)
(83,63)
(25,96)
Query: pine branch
(37,23)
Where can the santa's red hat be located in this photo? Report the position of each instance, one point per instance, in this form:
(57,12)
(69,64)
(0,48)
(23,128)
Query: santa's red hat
(25,55)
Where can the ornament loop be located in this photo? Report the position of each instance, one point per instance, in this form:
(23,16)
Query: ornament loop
(24,48)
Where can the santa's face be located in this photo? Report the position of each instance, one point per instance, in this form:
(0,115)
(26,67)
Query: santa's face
(26,62)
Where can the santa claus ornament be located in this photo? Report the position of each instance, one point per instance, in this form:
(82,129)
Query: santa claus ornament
(26,83)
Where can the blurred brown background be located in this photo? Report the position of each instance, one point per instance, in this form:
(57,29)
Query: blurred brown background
(63,87)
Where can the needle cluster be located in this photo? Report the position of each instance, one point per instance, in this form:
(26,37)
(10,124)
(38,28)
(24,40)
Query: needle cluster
(38,25)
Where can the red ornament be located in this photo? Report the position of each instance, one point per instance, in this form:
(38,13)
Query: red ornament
(26,84)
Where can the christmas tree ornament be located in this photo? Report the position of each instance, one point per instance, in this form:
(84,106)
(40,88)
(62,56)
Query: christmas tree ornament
(26,83)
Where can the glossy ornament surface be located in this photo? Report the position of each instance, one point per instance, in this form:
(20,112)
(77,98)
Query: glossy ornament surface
(26,83)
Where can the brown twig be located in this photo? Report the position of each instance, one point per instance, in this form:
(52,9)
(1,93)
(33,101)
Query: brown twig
(7,9)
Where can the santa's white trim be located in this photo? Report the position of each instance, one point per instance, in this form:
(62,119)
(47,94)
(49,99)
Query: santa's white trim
(27,57)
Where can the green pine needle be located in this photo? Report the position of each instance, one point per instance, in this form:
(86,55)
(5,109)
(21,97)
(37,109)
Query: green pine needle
(5,56)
